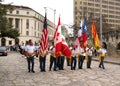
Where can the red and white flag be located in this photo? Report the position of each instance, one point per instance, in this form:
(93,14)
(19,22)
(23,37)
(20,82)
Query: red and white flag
(60,43)
(44,37)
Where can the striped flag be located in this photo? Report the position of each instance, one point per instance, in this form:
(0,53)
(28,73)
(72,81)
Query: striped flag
(79,36)
(85,37)
(95,39)
(44,37)
(80,32)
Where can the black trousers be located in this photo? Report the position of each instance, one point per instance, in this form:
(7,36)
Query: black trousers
(60,62)
(68,61)
(89,61)
(81,60)
(42,61)
(52,61)
(73,63)
(30,61)
(102,63)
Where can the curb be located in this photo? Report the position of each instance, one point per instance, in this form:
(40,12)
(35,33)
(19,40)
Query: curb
(117,63)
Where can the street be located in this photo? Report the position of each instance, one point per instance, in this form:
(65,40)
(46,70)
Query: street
(13,72)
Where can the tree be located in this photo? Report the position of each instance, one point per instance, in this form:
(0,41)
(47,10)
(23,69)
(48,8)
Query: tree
(12,33)
(5,29)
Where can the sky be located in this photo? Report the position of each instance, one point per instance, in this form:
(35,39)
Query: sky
(64,8)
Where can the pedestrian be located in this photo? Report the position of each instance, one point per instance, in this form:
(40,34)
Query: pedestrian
(73,59)
(30,53)
(37,47)
(89,52)
(102,53)
(22,49)
(42,59)
(52,58)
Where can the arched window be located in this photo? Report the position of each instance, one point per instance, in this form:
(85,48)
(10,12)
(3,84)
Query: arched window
(118,46)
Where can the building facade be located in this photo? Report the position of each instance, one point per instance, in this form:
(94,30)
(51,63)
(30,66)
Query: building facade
(110,11)
(29,23)
(91,9)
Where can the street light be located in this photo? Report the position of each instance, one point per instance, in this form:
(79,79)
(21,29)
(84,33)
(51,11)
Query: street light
(54,10)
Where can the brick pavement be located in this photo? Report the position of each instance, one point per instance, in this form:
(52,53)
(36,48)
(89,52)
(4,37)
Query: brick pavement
(13,72)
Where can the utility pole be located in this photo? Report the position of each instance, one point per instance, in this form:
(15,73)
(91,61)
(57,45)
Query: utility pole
(101,21)
(54,10)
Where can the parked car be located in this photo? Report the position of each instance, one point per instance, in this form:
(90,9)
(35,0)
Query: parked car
(3,51)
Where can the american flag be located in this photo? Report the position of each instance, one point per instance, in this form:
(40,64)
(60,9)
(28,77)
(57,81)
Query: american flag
(44,37)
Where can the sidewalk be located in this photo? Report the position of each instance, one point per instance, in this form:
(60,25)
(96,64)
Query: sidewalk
(111,60)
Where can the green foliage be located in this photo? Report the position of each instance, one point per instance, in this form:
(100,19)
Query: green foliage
(13,33)
(3,19)
(5,30)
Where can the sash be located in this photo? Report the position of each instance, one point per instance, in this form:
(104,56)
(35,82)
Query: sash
(31,54)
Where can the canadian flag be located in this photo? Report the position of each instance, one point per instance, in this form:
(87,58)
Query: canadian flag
(61,46)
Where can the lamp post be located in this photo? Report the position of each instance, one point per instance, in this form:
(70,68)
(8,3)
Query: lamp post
(54,10)
(101,20)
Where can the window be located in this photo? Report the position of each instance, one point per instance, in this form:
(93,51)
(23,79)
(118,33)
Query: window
(27,12)
(38,34)
(75,2)
(27,33)
(17,23)
(11,11)
(27,23)
(35,34)
(35,25)
(10,42)
(38,26)
(10,22)
(17,12)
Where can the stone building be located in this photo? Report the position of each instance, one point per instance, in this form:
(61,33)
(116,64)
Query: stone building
(29,23)
(110,11)
(90,9)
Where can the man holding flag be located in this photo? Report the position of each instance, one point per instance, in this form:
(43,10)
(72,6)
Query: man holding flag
(82,37)
(43,46)
(61,46)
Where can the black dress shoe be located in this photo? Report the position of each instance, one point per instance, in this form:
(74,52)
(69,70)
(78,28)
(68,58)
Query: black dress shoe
(33,71)
(55,70)
(44,71)
(73,68)
(103,67)
(28,71)
(49,69)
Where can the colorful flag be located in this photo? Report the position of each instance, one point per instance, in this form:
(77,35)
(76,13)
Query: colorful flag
(84,37)
(44,37)
(60,43)
(58,39)
(77,43)
(78,38)
(95,39)
(80,32)
(65,48)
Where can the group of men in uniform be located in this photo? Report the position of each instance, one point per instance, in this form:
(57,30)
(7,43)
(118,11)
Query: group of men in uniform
(78,55)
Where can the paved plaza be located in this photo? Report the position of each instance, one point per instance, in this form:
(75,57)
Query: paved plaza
(13,72)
